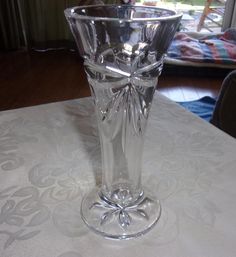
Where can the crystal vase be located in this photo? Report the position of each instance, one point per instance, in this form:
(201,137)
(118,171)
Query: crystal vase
(123,48)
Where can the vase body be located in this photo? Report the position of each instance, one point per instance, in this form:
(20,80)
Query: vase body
(123,48)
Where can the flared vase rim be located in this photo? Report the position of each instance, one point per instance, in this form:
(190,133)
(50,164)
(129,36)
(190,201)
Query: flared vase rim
(70,13)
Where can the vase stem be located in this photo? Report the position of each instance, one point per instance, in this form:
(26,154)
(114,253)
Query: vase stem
(122,119)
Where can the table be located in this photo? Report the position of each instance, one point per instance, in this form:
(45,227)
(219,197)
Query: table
(49,157)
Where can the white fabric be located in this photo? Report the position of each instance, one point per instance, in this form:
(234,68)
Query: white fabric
(49,157)
(173,61)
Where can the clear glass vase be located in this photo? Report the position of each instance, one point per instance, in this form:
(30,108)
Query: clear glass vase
(123,48)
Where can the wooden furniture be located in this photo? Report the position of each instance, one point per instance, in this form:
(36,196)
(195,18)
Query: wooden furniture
(211,7)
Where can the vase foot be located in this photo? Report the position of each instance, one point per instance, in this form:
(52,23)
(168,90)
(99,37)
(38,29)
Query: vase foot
(114,221)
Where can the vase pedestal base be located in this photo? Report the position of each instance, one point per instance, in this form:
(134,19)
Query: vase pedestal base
(115,221)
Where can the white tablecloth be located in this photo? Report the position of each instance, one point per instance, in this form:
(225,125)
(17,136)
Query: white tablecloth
(49,157)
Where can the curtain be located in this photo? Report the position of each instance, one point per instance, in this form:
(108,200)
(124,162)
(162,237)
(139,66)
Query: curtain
(37,24)
(11,26)
(46,24)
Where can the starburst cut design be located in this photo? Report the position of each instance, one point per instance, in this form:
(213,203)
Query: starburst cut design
(122,213)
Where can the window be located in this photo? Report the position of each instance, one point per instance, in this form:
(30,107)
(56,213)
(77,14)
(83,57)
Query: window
(201,15)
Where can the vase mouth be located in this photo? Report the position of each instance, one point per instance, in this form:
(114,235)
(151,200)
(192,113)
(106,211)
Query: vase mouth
(135,14)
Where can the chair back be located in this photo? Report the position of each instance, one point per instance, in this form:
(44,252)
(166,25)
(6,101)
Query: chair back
(224,114)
